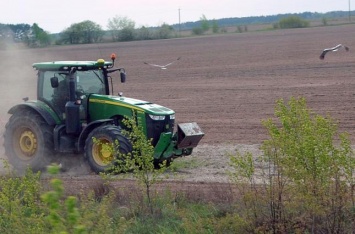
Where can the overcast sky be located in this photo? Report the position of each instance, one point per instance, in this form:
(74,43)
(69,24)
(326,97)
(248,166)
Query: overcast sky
(55,16)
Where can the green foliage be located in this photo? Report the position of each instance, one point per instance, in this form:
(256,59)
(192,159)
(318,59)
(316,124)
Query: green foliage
(121,28)
(19,204)
(144,33)
(205,25)
(38,37)
(244,167)
(85,32)
(61,220)
(184,163)
(215,27)
(324,21)
(305,180)
(241,29)
(293,22)
(32,36)
(197,31)
(25,209)
(57,213)
(165,31)
(140,163)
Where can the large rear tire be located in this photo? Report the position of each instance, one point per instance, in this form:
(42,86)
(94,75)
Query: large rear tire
(28,141)
(101,158)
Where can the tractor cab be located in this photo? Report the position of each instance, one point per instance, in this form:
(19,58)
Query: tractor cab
(62,82)
(54,88)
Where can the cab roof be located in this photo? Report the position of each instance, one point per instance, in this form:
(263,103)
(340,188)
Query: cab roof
(67,65)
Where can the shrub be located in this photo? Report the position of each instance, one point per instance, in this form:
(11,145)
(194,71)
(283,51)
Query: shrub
(140,163)
(19,210)
(197,31)
(293,22)
(307,172)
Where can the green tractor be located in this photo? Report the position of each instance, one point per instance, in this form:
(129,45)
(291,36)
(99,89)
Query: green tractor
(75,104)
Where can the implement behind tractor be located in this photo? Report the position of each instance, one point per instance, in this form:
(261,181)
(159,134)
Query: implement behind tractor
(75,104)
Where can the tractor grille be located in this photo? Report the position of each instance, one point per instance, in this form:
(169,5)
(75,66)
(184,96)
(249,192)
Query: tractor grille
(156,127)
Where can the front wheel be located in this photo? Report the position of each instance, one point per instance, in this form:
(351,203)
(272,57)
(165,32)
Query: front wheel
(102,145)
(28,141)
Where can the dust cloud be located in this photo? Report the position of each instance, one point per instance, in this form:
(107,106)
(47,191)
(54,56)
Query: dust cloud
(18,78)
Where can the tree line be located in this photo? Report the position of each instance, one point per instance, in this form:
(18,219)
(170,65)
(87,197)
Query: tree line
(85,32)
(120,28)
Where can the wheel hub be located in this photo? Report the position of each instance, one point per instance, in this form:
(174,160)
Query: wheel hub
(102,152)
(28,143)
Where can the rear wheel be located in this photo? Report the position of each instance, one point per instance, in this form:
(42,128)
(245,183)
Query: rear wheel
(99,152)
(28,141)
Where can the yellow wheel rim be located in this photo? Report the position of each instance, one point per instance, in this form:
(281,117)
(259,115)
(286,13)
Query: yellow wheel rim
(26,143)
(102,152)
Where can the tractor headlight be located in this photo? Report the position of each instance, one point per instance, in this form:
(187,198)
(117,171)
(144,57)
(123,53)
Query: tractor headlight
(172,116)
(157,117)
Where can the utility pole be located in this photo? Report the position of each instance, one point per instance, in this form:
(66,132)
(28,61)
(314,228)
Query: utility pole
(349,12)
(180,24)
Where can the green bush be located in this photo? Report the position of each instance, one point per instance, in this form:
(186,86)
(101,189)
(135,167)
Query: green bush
(293,22)
(140,162)
(26,208)
(306,175)
(19,204)
(197,31)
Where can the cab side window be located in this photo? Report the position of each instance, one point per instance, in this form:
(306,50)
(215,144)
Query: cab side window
(55,96)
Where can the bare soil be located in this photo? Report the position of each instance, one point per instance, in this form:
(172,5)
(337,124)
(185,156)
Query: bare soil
(226,83)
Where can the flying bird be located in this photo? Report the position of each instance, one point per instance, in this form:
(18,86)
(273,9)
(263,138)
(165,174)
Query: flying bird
(335,48)
(162,66)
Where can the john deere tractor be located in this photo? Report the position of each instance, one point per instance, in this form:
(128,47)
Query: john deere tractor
(76,112)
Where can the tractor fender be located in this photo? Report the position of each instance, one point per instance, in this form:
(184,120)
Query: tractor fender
(41,108)
(91,126)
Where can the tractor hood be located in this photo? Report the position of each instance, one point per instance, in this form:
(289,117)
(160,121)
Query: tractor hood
(113,102)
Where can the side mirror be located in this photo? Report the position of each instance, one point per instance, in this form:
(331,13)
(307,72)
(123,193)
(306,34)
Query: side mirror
(123,76)
(54,82)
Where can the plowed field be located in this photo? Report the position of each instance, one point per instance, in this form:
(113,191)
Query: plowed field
(226,83)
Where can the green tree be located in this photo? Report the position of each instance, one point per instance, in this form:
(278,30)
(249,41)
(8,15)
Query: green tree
(84,32)
(121,28)
(34,37)
(41,37)
(144,33)
(205,25)
(215,26)
(165,31)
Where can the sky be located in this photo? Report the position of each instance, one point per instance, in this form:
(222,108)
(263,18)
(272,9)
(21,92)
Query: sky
(56,16)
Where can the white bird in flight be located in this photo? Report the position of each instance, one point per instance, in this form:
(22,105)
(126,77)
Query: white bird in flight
(335,48)
(162,66)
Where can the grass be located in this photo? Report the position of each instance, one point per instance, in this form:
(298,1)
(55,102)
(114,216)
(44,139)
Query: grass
(184,163)
(40,208)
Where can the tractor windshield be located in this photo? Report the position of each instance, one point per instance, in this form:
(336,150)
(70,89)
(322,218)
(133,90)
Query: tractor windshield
(90,81)
(54,86)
